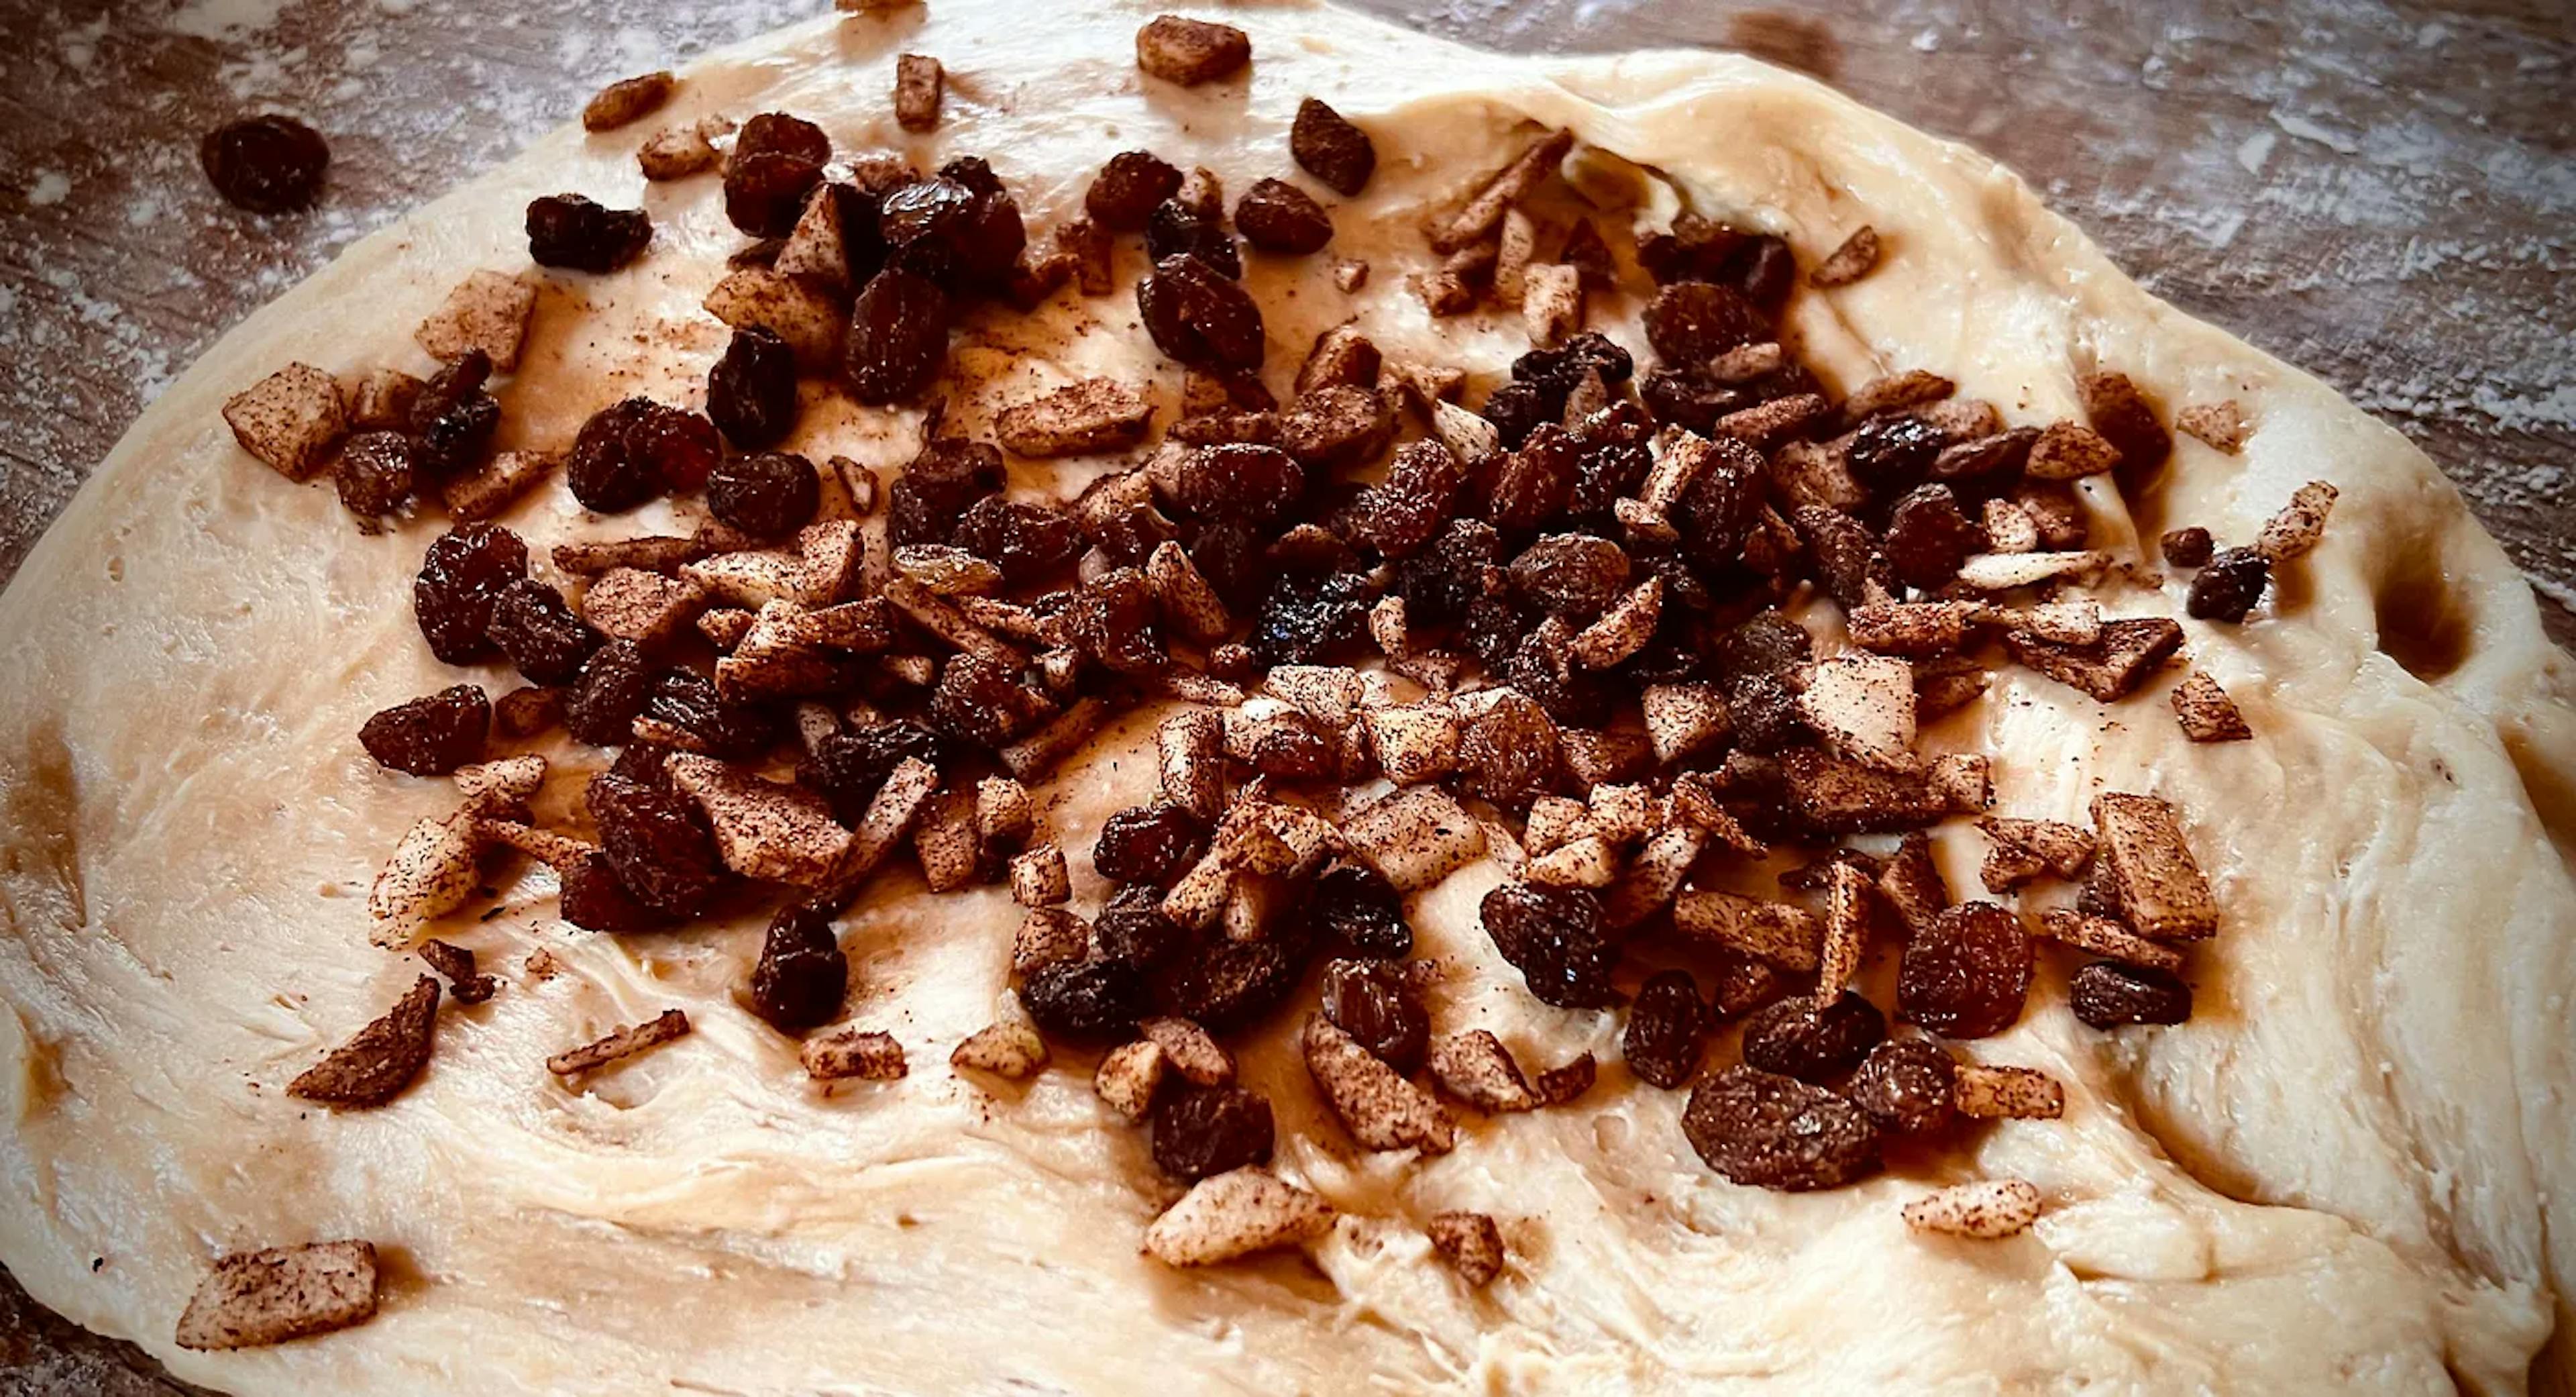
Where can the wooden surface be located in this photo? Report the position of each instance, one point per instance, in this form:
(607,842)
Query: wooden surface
(2378,192)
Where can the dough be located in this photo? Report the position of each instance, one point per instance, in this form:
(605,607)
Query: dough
(2351,1171)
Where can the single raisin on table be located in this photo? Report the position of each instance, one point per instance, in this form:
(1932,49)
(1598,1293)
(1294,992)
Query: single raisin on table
(2107,994)
(2187,548)
(266,164)
(767,496)
(657,842)
(1200,318)
(1201,1131)
(689,701)
(594,898)
(1027,542)
(898,339)
(1692,322)
(1795,1039)
(610,692)
(635,449)
(751,390)
(848,767)
(1132,929)
(1905,1085)
(1965,975)
(1371,1001)
(2229,586)
(1277,216)
(430,736)
(1090,1002)
(464,572)
(1554,937)
(1666,1027)
(567,230)
(1148,844)
(374,474)
(532,626)
(1361,911)
(802,975)
(1770,1131)
(1123,195)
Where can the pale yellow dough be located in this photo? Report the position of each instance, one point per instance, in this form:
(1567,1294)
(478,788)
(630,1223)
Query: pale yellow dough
(2350,1172)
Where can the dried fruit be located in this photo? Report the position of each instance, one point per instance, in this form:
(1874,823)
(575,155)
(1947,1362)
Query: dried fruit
(802,976)
(1224,984)
(984,703)
(1770,1131)
(1200,318)
(1372,1001)
(1148,844)
(635,449)
(1571,575)
(1304,619)
(1201,1131)
(1361,911)
(1335,427)
(938,488)
(657,842)
(1124,194)
(1666,1026)
(768,496)
(1691,322)
(464,572)
(2107,994)
(1132,929)
(1330,148)
(266,164)
(1085,1001)
(1257,485)
(1449,575)
(1277,216)
(1905,1085)
(1176,227)
(751,390)
(1891,452)
(1795,1038)
(965,235)
(898,337)
(1967,974)
(1554,937)
(776,162)
(849,767)
(2187,548)
(1929,536)
(567,230)
(1508,753)
(2229,586)
(373,473)
(611,690)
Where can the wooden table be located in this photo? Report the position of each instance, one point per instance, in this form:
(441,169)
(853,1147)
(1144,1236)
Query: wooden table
(2379,192)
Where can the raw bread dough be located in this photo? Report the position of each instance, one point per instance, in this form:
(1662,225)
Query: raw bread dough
(2351,1171)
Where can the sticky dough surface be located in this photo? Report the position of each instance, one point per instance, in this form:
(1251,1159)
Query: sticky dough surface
(2351,1171)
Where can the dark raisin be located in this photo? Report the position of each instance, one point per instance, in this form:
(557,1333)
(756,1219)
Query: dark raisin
(594,898)
(464,571)
(1764,712)
(1719,511)
(1554,937)
(1123,195)
(1571,575)
(1258,485)
(1987,466)
(1361,911)
(1131,928)
(430,736)
(1847,559)
(1666,1026)
(645,763)
(1148,844)
(1508,755)
(567,230)
(1905,1085)
(687,700)
(767,496)
(1290,747)
(848,767)
(658,843)
(1223,984)
(1695,250)
(1966,974)
(782,134)
(1304,619)
(802,976)
(1692,322)
(1371,1001)
(1199,318)
(1929,536)
(1890,453)
(1767,643)
(1740,984)
(635,449)
(974,172)
(938,488)
(981,702)
(1794,1038)
(1766,270)
(452,418)
(2107,994)
(1492,630)
(1231,555)
(1330,148)
(765,191)
(1088,1002)
(266,164)
(374,474)
(1027,542)
(1277,216)
(1439,583)
(2229,586)
(2187,548)
(1113,622)
(1691,398)
(751,390)
(1401,516)
(1177,228)
(1532,485)
(898,338)
(959,236)
(1201,1131)
(1561,368)
(1516,409)
(1768,1131)
(1604,475)
(602,705)
(538,633)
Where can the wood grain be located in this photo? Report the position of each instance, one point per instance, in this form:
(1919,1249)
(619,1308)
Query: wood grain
(2378,192)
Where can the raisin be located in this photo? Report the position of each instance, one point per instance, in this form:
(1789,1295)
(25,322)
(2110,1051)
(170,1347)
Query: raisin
(1439,583)
(1177,228)
(974,172)
(2107,994)
(374,474)
(1371,1001)
(767,496)
(604,701)
(1890,453)
(1966,974)
(266,164)
(1796,1039)
(1769,643)
(2229,586)
(1113,622)
(1692,322)
(801,976)
(1768,1131)
(1695,250)
(1289,747)
(1691,398)
(2187,548)
(1201,1131)
(1719,511)
(751,390)
(898,337)
(1027,542)
(452,418)
(1905,1085)
(635,449)
(1330,148)
(1131,927)
(464,571)
(1764,712)
(1258,485)
(1517,409)
(1277,216)
(1230,554)
(1361,911)
(1571,575)
(781,134)
(1929,536)
(1554,937)
(1561,368)
(567,230)
(1666,1024)
(963,238)
(430,736)
(1199,318)
(1492,630)
(981,702)
(1508,755)
(1148,844)
(646,764)
(938,487)
(1123,195)
(1090,1002)
(1401,516)
(848,767)
(687,700)
(1304,619)
(1604,475)
(1225,984)
(1847,559)
(1765,270)
(765,191)
(532,626)
(657,842)
(1533,484)
(594,898)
